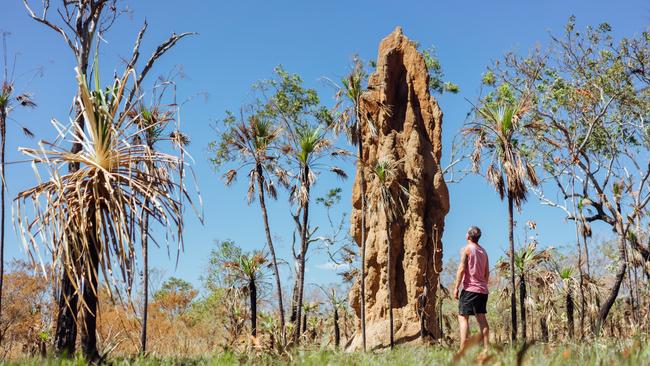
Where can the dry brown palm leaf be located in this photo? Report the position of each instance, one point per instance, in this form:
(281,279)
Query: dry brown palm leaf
(99,207)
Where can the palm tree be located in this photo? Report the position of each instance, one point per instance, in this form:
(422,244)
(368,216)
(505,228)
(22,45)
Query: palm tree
(527,260)
(251,145)
(104,199)
(152,122)
(7,100)
(355,124)
(336,303)
(306,146)
(249,269)
(496,133)
(385,171)
(566,276)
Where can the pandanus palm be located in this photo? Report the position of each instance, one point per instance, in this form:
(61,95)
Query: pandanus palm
(250,145)
(384,171)
(306,147)
(527,261)
(497,132)
(354,122)
(152,122)
(104,199)
(566,276)
(249,269)
(8,101)
(336,302)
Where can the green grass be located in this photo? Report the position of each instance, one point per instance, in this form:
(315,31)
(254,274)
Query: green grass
(626,352)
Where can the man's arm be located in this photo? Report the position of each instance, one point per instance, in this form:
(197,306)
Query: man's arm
(460,272)
(487,269)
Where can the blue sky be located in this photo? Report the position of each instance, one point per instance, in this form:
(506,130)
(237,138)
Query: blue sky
(240,42)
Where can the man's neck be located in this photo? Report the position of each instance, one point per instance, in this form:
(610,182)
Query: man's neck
(471,242)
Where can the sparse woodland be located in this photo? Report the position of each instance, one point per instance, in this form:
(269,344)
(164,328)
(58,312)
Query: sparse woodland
(563,125)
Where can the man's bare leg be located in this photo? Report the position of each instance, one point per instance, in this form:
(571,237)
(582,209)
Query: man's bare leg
(485,330)
(463,323)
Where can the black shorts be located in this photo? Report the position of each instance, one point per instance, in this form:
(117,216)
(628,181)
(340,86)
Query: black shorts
(472,303)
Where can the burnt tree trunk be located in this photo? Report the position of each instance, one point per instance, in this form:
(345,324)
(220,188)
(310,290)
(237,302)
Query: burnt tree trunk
(269,241)
(145,282)
(513,288)
(569,313)
(522,305)
(90,298)
(362,283)
(252,289)
(544,328)
(337,330)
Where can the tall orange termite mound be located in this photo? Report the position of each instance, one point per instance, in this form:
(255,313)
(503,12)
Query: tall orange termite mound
(406,127)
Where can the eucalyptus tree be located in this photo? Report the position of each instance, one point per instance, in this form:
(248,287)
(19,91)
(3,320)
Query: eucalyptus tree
(307,148)
(80,24)
(105,198)
(251,144)
(590,101)
(9,100)
(496,133)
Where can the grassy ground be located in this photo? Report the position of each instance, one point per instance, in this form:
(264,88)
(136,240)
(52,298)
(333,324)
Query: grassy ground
(627,352)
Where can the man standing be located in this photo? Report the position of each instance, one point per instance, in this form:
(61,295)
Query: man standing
(473,272)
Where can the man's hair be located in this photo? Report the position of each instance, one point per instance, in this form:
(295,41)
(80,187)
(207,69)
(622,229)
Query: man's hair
(474,233)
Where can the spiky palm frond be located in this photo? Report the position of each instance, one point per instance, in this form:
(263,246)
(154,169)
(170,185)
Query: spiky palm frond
(385,172)
(99,206)
(248,266)
(496,133)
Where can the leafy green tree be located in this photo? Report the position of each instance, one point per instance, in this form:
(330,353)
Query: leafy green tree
(589,101)
(306,143)
(175,296)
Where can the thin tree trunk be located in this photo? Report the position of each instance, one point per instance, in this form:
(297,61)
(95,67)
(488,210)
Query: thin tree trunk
(3,141)
(145,282)
(252,289)
(522,305)
(362,178)
(390,284)
(65,334)
(90,297)
(544,328)
(66,321)
(269,241)
(303,252)
(513,289)
(337,330)
(620,275)
(569,313)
